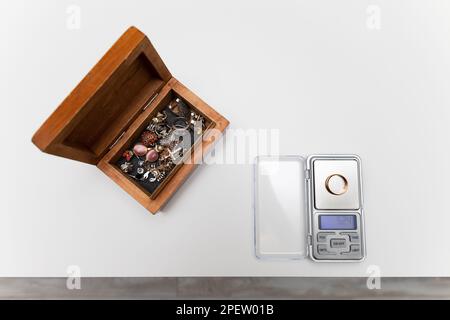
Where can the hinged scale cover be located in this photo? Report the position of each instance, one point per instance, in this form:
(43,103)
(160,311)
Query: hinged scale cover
(280,207)
(106,101)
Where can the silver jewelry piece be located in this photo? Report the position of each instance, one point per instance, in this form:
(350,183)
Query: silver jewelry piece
(126,167)
(145,176)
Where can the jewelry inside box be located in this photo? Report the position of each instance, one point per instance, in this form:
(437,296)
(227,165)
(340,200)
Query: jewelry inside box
(162,145)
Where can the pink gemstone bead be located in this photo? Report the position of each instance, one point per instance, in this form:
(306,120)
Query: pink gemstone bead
(152,156)
(140,150)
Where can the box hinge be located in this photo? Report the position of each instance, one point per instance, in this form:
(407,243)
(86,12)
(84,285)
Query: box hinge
(143,109)
(307,174)
(117,140)
(150,101)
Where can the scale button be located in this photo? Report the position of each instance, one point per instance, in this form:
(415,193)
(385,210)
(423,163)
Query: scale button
(354,249)
(322,236)
(338,243)
(322,249)
(354,236)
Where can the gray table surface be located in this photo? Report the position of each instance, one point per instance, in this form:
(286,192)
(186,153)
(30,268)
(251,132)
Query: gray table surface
(225,288)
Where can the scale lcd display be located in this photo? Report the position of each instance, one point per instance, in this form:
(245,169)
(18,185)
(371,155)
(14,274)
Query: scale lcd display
(337,222)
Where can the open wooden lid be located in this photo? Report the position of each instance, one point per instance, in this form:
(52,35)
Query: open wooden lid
(106,101)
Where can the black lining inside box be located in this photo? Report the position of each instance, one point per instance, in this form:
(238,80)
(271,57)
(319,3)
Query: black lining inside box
(152,188)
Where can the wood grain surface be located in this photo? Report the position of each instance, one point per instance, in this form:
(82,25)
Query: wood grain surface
(111,103)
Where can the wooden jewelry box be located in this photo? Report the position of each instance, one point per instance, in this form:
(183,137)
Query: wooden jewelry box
(113,104)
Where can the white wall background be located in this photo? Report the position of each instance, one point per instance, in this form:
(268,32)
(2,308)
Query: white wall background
(312,68)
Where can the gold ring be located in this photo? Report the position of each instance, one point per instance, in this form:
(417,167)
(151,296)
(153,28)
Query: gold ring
(344,188)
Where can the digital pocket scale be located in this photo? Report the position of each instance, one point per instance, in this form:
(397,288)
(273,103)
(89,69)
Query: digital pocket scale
(309,207)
